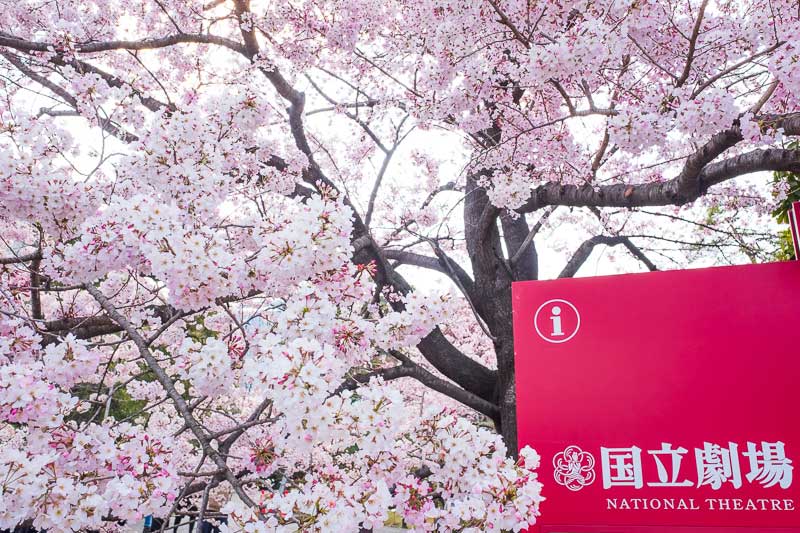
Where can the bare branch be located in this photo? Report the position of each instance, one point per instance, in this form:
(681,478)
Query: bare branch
(710,81)
(431,263)
(585,250)
(531,234)
(692,44)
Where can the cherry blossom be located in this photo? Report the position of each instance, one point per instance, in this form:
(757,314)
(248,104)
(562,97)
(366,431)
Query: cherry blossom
(257,256)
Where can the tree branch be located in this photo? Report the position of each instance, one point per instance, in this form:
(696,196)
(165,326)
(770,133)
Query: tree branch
(166,382)
(709,82)
(505,21)
(12,41)
(692,44)
(450,361)
(632,248)
(585,250)
(531,234)
(409,368)
(698,175)
(431,263)
(70,100)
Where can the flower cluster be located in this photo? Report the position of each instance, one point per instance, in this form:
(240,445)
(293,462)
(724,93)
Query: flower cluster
(66,480)
(452,477)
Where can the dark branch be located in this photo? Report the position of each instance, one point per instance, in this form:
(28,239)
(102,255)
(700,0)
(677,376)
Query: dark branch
(698,175)
(11,41)
(410,369)
(451,362)
(431,263)
(585,250)
(687,69)
(387,374)
(105,124)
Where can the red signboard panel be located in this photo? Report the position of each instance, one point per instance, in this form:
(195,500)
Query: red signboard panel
(663,402)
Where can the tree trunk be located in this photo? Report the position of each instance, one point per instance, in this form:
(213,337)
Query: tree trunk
(505,391)
(507,401)
(493,277)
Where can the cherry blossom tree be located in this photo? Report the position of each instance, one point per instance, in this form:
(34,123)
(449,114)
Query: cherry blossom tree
(219,210)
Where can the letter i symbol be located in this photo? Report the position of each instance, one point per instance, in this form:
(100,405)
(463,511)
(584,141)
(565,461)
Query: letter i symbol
(556,321)
(557,332)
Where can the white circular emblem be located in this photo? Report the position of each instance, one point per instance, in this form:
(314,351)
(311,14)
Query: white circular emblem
(573,468)
(557,329)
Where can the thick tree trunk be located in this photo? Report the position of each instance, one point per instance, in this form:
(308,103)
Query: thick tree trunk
(507,401)
(505,391)
(493,277)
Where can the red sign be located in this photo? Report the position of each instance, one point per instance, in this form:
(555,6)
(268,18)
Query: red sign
(667,401)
